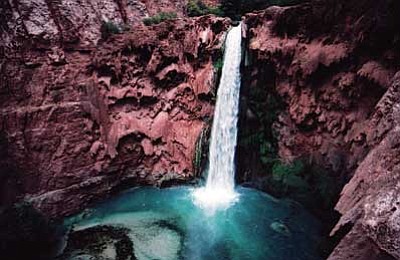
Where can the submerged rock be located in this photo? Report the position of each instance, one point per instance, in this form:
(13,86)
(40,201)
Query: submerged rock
(99,242)
(280,228)
(134,235)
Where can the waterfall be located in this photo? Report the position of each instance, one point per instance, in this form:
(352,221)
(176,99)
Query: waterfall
(219,191)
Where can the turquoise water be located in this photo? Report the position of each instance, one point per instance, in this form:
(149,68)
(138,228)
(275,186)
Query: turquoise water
(165,224)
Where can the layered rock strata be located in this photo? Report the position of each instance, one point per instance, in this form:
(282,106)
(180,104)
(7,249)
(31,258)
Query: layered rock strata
(81,115)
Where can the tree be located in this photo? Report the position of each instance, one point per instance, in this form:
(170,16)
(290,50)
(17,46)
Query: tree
(232,8)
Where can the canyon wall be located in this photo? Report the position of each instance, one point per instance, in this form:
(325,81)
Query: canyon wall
(331,71)
(82,115)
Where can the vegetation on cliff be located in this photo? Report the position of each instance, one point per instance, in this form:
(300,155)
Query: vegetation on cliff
(160,17)
(199,8)
(306,183)
(109,28)
(296,178)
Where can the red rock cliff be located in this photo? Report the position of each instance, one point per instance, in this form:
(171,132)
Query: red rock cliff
(81,115)
(334,64)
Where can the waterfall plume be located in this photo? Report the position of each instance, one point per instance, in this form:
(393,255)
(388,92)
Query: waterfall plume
(219,191)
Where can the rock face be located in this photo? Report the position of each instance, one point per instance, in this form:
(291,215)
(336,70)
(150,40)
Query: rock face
(81,116)
(70,22)
(334,70)
(371,200)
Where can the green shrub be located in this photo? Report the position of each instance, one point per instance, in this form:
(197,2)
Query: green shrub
(198,8)
(232,8)
(310,185)
(215,11)
(158,18)
(109,28)
(267,151)
(218,64)
(193,8)
(289,176)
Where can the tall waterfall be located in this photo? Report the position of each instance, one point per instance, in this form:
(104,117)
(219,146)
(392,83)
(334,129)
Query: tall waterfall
(219,191)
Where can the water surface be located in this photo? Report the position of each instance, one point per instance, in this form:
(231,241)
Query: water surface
(166,224)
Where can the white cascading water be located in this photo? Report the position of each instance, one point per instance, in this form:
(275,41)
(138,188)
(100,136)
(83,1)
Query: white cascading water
(219,191)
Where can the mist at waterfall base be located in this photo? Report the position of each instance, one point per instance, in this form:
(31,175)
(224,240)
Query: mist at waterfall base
(216,221)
